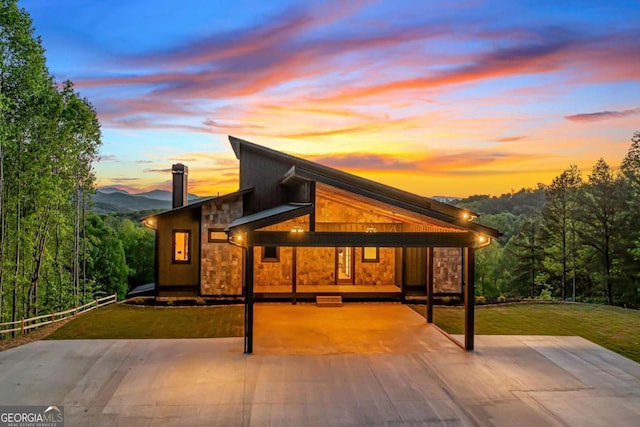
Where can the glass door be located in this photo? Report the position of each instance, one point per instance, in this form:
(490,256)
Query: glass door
(344,265)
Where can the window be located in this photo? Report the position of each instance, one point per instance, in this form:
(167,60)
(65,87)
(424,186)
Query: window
(344,265)
(181,246)
(270,254)
(217,235)
(370,254)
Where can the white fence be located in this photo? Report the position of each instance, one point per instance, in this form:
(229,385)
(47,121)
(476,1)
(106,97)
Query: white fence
(25,325)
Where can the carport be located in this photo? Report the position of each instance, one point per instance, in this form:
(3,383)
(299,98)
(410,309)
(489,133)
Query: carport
(244,232)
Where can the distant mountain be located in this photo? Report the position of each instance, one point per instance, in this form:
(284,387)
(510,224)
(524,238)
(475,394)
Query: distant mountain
(164,195)
(113,200)
(109,190)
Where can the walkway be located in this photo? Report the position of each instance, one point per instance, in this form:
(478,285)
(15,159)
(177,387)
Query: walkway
(426,380)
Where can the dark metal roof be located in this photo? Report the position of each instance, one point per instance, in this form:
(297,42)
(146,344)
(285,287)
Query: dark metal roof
(270,216)
(310,171)
(143,290)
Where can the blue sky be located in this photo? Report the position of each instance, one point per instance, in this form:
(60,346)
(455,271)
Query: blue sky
(447,98)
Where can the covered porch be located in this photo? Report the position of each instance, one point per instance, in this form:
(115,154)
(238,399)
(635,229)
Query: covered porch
(243,234)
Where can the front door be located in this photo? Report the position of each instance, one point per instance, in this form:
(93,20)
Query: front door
(345,266)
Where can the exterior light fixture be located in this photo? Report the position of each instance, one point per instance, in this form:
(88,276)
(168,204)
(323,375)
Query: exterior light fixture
(483,241)
(297,229)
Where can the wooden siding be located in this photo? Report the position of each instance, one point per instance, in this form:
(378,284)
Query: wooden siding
(181,279)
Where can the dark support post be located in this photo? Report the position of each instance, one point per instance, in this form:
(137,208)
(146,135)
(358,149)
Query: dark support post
(403,286)
(294,274)
(469,297)
(429,285)
(312,199)
(248,301)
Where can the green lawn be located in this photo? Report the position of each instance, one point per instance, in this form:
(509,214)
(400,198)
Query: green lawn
(614,328)
(122,321)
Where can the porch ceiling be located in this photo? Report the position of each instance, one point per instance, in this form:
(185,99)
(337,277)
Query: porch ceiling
(393,213)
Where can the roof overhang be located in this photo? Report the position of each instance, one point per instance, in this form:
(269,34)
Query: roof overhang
(269,217)
(148,221)
(297,174)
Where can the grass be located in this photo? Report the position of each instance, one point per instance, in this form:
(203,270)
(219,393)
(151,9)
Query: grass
(615,328)
(611,327)
(122,321)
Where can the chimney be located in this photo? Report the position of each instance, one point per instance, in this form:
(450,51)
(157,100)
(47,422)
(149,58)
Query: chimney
(180,174)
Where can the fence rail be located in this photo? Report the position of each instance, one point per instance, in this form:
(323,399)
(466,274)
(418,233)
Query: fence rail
(25,325)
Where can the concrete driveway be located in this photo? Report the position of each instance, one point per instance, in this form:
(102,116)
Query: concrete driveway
(426,380)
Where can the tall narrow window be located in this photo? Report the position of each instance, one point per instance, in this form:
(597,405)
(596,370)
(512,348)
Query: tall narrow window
(344,265)
(181,246)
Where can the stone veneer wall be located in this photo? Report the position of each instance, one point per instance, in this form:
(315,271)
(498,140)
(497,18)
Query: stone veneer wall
(447,270)
(316,266)
(332,211)
(221,263)
(272,273)
(376,273)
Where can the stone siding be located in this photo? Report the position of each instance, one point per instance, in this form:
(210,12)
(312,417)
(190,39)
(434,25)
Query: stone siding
(447,270)
(273,273)
(376,273)
(221,263)
(316,266)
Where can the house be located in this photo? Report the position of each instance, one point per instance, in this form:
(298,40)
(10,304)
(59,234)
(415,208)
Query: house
(296,229)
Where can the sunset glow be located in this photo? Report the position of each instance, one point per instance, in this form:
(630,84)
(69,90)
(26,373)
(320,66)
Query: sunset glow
(437,98)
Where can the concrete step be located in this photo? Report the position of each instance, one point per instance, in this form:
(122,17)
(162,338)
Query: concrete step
(329,301)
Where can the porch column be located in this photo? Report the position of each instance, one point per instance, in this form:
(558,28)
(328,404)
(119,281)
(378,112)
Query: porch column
(469,297)
(248,301)
(294,274)
(430,285)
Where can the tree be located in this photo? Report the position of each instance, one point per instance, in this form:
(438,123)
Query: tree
(526,252)
(106,265)
(139,248)
(630,170)
(558,213)
(601,219)
(48,141)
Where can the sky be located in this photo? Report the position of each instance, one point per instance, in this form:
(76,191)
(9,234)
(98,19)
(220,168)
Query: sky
(438,98)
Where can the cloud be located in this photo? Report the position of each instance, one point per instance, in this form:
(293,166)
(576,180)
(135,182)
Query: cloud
(602,115)
(363,161)
(539,56)
(149,170)
(415,162)
(124,179)
(511,138)
(109,158)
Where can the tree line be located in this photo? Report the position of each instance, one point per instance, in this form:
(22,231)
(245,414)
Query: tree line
(576,238)
(54,253)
